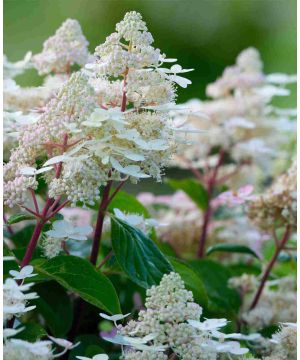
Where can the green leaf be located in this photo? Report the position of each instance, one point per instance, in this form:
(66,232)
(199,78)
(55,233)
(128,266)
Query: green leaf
(240,269)
(194,189)
(215,279)
(57,216)
(138,255)
(55,306)
(80,276)
(268,331)
(128,204)
(22,237)
(32,332)
(192,281)
(166,248)
(19,217)
(241,249)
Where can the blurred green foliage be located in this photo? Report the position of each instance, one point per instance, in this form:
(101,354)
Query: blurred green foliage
(205,35)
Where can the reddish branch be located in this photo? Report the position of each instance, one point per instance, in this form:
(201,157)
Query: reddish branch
(107,257)
(36,234)
(35,201)
(45,215)
(270,266)
(105,201)
(99,225)
(207,215)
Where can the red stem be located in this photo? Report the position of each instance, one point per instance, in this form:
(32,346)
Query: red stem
(36,234)
(118,188)
(43,216)
(31,211)
(56,202)
(208,212)
(270,267)
(107,257)
(57,210)
(99,225)
(35,201)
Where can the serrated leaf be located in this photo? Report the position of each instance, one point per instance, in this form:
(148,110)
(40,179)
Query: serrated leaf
(80,276)
(55,306)
(194,189)
(192,281)
(215,279)
(241,249)
(138,255)
(14,219)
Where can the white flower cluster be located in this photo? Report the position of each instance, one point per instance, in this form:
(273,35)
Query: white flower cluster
(61,231)
(278,203)
(110,141)
(73,103)
(16,349)
(66,47)
(12,122)
(241,118)
(136,60)
(26,99)
(284,343)
(278,302)
(11,70)
(15,295)
(171,323)
(21,102)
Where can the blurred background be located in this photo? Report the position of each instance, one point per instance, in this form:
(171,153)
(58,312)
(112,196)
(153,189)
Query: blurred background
(206,35)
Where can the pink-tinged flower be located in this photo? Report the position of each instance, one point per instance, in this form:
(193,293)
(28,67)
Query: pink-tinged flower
(179,200)
(146,198)
(233,198)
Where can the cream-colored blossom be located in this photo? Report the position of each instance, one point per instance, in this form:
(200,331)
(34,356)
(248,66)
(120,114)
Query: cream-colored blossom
(66,47)
(278,203)
(171,321)
(111,143)
(241,118)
